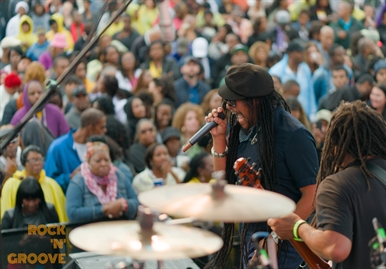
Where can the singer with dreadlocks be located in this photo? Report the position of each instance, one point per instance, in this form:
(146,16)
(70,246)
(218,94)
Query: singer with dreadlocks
(351,189)
(261,128)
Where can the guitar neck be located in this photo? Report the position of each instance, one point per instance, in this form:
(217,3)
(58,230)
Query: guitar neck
(312,260)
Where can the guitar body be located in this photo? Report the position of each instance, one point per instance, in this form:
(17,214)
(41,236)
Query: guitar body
(250,178)
(312,260)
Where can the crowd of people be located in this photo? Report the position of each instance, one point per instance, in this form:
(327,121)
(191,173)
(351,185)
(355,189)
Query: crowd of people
(117,123)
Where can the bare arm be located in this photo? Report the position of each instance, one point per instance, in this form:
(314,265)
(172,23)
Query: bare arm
(327,244)
(330,245)
(219,138)
(304,206)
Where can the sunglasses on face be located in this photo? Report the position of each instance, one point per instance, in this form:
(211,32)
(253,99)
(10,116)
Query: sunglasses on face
(230,103)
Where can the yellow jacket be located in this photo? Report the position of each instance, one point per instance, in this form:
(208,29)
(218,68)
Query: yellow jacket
(142,18)
(59,21)
(26,37)
(53,193)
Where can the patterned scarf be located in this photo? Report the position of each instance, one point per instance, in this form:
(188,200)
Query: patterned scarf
(92,181)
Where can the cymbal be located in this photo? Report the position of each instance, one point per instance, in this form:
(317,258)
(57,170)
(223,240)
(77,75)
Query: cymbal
(162,242)
(203,202)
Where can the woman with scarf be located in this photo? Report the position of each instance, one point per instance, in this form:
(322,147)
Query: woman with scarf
(100,190)
(51,116)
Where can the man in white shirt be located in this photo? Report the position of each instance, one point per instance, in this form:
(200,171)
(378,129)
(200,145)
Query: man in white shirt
(9,90)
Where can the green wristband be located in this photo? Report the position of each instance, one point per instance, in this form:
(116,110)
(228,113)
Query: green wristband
(296,228)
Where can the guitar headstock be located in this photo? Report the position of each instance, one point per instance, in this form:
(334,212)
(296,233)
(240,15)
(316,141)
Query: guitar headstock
(247,174)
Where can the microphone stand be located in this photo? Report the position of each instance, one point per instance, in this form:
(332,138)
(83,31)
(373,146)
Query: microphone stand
(45,98)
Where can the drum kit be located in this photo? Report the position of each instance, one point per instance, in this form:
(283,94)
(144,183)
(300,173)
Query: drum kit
(147,239)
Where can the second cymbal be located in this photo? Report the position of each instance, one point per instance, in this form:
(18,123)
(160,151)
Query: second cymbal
(206,202)
(161,242)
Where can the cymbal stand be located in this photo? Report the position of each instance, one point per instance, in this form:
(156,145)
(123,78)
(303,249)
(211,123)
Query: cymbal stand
(146,220)
(261,260)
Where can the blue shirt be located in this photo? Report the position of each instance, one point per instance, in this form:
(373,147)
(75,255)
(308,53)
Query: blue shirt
(62,159)
(193,95)
(36,50)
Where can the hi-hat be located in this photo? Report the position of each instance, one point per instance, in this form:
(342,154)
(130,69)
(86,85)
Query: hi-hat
(216,202)
(161,242)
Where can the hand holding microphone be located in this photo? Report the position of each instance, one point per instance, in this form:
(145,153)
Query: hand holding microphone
(214,119)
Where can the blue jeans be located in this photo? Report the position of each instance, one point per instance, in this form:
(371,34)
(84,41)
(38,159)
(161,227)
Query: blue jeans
(288,257)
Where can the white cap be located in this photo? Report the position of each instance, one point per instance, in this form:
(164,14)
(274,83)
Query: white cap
(23,5)
(200,47)
(282,17)
(9,42)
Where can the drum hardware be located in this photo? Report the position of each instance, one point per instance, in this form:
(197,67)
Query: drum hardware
(145,239)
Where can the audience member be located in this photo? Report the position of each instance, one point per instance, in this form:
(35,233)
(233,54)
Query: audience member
(100,190)
(188,120)
(190,87)
(50,115)
(163,116)
(201,169)
(67,152)
(80,103)
(144,137)
(378,99)
(30,208)
(32,158)
(9,90)
(171,138)
(159,170)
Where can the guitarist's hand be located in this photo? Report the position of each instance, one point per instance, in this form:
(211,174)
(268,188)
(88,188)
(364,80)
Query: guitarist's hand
(283,227)
(220,130)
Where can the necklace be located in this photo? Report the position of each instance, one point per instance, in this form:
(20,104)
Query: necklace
(255,137)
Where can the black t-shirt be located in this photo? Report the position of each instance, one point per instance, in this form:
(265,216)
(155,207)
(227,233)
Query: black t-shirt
(295,151)
(345,205)
(296,160)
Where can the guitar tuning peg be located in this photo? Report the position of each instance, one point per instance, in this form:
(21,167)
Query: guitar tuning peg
(237,173)
(253,165)
(248,159)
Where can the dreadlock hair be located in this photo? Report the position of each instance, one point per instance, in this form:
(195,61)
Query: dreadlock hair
(263,108)
(354,129)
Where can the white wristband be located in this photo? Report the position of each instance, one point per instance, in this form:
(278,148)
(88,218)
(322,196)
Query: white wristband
(219,155)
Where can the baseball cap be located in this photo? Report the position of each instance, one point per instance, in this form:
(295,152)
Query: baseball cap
(380,64)
(246,81)
(79,90)
(200,47)
(168,133)
(190,59)
(182,45)
(323,114)
(41,30)
(239,47)
(282,17)
(296,45)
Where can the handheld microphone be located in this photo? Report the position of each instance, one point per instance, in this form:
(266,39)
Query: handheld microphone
(201,133)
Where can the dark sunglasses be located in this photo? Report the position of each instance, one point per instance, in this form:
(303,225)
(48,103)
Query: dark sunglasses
(230,103)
